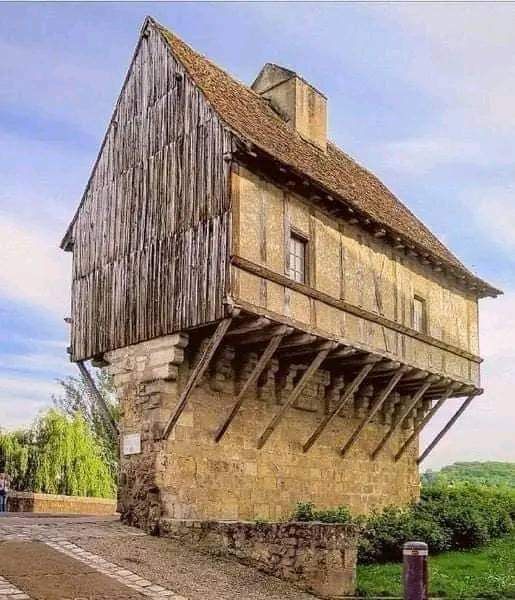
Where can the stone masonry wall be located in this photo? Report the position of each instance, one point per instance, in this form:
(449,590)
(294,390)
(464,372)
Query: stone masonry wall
(317,557)
(189,476)
(51,503)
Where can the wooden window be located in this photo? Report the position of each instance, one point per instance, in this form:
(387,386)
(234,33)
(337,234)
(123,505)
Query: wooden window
(297,259)
(419,314)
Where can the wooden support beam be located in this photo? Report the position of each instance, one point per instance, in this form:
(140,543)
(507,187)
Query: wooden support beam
(97,398)
(418,428)
(402,417)
(300,339)
(383,396)
(343,352)
(309,349)
(197,373)
(451,422)
(247,327)
(257,337)
(263,361)
(365,360)
(388,365)
(347,393)
(295,393)
(415,375)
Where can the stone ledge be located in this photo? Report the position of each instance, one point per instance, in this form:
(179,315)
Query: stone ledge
(53,503)
(317,557)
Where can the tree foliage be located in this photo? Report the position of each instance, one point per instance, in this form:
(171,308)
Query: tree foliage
(485,473)
(453,516)
(75,399)
(59,454)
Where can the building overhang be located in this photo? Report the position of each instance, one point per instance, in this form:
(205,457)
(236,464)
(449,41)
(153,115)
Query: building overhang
(410,394)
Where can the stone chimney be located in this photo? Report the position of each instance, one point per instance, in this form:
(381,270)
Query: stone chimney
(301,105)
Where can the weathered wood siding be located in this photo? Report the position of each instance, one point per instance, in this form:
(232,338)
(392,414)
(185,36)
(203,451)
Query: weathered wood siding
(350,268)
(150,253)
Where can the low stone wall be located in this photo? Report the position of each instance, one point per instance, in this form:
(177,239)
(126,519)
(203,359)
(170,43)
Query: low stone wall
(317,557)
(50,503)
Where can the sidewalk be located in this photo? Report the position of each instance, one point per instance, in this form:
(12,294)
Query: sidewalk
(62,557)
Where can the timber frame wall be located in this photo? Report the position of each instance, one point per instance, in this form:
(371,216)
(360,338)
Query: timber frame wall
(150,238)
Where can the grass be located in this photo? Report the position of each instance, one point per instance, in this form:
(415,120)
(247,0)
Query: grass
(487,572)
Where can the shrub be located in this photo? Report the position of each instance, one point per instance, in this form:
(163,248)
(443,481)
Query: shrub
(305,511)
(448,516)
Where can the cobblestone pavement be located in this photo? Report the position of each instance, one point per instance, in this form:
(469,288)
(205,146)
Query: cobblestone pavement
(97,558)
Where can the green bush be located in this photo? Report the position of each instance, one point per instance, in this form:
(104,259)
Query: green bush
(447,517)
(305,511)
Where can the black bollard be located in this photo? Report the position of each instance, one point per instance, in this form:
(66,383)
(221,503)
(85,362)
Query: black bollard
(415,571)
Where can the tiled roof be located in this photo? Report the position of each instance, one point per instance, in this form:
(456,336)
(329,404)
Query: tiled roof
(251,117)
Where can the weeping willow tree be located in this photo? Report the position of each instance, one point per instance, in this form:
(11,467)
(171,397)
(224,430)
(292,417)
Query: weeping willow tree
(58,455)
(75,399)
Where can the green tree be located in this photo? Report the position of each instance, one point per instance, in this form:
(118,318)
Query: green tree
(59,454)
(75,399)
(484,473)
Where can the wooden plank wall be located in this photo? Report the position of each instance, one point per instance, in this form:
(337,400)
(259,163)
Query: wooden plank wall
(150,253)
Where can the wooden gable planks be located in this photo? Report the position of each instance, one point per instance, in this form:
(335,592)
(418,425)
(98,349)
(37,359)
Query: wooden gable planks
(148,256)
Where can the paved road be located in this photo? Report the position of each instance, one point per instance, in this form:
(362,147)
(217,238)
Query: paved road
(60,557)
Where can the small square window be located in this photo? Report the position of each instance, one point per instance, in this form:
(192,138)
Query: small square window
(419,314)
(297,258)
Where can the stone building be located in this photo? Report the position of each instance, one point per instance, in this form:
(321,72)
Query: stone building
(279,325)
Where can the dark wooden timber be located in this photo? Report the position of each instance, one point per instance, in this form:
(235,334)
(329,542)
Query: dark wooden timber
(308,373)
(247,327)
(97,398)
(150,239)
(383,396)
(197,373)
(347,393)
(450,423)
(402,417)
(418,428)
(263,361)
(262,271)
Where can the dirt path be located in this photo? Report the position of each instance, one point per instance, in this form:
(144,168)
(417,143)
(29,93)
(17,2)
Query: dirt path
(61,558)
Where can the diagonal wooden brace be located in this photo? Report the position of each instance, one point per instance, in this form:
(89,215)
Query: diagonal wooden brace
(197,373)
(295,393)
(418,428)
(347,393)
(273,344)
(451,422)
(407,410)
(383,396)
(97,397)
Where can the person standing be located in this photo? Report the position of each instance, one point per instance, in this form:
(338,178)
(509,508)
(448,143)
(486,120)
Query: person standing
(4,490)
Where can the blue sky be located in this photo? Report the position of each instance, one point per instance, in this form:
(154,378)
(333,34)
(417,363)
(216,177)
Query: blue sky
(422,94)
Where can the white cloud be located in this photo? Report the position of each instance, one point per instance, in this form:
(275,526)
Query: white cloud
(466,59)
(493,209)
(32,268)
(418,156)
(37,363)
(462,59)
(21,398)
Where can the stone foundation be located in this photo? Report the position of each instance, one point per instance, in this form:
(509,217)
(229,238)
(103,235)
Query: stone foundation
(190,476)
(317,557)
(51,503)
